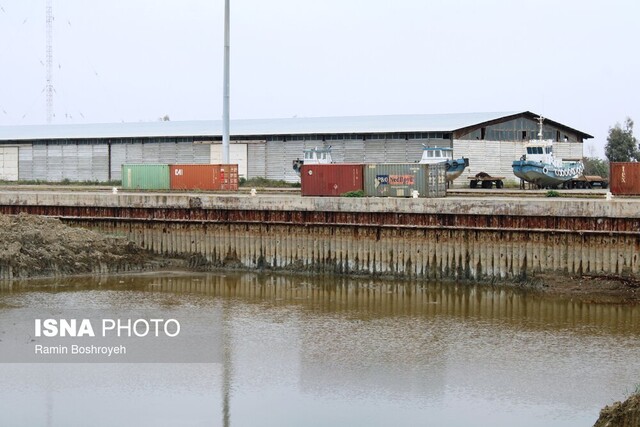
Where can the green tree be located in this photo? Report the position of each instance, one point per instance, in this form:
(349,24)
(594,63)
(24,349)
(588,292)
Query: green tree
(596,166)
(622,146)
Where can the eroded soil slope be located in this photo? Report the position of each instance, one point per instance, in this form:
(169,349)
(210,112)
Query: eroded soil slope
(35,246)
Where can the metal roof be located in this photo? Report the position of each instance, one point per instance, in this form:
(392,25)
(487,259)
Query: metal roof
(255,127)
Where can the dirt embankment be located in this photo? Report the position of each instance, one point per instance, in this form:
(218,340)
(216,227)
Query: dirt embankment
(621,414)
(34,246)
(592,288)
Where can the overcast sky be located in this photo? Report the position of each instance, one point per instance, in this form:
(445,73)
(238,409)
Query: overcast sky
(574,61)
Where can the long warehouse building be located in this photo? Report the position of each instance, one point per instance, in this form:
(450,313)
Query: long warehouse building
(267,147)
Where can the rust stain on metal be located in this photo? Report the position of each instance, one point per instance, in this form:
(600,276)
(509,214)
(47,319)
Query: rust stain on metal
(307,218)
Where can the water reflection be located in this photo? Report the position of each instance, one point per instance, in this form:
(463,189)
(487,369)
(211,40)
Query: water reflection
(319,351)
(358,298)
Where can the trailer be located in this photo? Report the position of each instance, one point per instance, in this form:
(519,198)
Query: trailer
(587,181)
(486,181)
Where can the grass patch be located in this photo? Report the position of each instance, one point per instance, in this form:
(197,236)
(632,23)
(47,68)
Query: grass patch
(357,193)
(552,193)
(260,182)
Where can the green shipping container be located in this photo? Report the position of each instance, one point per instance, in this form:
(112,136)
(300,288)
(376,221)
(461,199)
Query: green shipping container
(402,179)
(145,177)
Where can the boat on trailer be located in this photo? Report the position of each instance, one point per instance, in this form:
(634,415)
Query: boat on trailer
(540,167)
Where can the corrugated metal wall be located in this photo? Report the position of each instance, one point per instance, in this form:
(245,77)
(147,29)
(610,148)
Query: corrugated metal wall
(275,159)
(568,150)
(353,149)
(75,162)
(25,169)
(291,150)
(256,165)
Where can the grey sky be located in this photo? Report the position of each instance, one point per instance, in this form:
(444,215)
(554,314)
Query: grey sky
(137,60)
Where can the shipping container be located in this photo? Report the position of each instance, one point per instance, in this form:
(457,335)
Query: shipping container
(145,176)
(204,177)
(402,179)
(331,179)
(624,178)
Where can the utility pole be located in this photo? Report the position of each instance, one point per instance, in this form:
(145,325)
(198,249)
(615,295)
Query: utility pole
(49,60)
(225,89)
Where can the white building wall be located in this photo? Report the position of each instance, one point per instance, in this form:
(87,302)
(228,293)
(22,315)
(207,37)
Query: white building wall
(8,163)
(569,150)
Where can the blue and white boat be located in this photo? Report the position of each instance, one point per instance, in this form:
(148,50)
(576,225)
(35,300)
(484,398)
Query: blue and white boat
(453,167)
(540,167)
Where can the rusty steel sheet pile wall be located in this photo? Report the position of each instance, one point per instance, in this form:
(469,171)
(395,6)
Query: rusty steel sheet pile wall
(406,252)
(568,224)
(444,238)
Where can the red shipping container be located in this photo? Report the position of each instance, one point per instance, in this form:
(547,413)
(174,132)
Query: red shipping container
(331,180)
(624,178)
(204,177)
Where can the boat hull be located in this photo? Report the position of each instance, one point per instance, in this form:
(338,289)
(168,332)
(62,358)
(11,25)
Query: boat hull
(545,175)
(454,168)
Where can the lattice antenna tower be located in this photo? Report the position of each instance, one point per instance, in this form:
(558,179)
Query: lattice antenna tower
(49,60)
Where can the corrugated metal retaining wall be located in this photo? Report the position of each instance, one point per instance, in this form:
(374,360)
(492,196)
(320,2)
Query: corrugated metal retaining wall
(407,252)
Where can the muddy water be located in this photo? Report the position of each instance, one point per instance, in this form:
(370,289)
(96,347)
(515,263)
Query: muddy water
(301,351)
